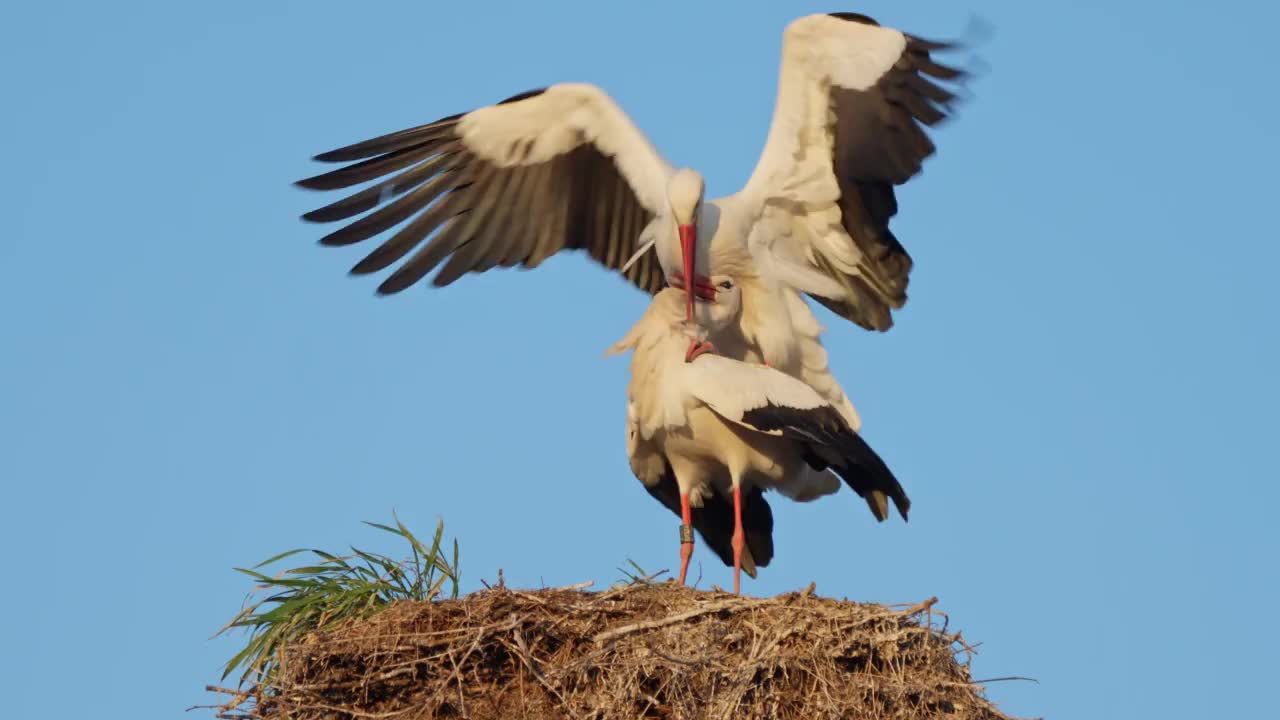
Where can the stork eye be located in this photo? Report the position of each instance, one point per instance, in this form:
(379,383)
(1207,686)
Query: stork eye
(726,285)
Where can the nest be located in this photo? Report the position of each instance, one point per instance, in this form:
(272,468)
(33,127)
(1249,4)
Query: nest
(642,651)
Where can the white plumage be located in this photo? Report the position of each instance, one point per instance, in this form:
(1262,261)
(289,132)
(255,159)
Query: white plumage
(565,168)
(701,432)
(733,388)
(559,120)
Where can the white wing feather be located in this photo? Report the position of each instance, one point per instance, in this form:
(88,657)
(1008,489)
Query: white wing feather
(814,369)
(732,388)
(818,51)
(560,119)
(793,191)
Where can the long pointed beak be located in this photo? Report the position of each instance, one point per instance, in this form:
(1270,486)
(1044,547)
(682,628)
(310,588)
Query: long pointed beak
(688,244)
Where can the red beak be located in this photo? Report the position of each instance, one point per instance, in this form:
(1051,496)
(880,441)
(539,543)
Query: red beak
(688,243)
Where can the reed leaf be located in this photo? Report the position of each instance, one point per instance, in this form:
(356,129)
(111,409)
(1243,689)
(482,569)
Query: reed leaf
(329,589)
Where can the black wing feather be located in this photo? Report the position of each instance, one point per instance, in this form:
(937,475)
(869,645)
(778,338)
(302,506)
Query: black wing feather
(477,215)
(830,442)
(880,142)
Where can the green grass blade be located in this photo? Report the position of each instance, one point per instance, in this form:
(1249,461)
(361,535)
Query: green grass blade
(300,600)
(281,556)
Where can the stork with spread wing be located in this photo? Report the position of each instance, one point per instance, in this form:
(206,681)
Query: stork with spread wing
(564,168)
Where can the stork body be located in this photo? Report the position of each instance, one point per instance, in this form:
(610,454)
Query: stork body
(564,168)
(713,433)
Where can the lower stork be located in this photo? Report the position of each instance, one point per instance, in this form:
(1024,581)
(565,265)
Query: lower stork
(703,430)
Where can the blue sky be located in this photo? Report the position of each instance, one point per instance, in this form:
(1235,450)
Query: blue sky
(1078,397)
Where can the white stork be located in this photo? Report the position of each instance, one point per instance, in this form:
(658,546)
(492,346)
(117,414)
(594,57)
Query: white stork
(564,168)
(702,431)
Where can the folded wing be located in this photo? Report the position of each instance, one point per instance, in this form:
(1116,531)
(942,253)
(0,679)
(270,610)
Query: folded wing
(772,402)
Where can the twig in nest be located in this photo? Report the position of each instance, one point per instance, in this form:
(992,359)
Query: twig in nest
(457,675)
(578,586)
(526,658)
(237,696)
(673,658)
(637,651)
(927,605)
(360,714)
(671,619)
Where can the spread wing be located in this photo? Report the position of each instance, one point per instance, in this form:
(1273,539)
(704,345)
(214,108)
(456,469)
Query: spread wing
(562,168)
(854,100)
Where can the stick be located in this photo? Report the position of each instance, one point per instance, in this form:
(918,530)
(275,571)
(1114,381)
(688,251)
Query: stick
(526,658)
(926,605)
(671,619)
(577,586)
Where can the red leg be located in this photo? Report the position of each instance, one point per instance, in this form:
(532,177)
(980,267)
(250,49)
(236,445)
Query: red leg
(739,540)
(697,348)
(686,536)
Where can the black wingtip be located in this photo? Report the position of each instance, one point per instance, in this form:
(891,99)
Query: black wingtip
(866,473)
(387,288)
(403,278)
(383,291)
(338,238)
(316,216)
(903,504)
(523,96)
(919,44)
(315,182)
(366,266)
(331,156)
(357,151)
(390,141)
(334,179)
(855,17)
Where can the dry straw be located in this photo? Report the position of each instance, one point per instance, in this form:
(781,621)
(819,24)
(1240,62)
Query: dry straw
(646,650)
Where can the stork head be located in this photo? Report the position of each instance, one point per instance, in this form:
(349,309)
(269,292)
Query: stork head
(684,194)
(718,300)
(721,308)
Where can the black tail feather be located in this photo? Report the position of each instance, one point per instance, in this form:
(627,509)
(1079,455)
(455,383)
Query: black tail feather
(866,474)
(830,442)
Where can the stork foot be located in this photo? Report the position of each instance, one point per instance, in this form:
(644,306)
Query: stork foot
(698,347)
